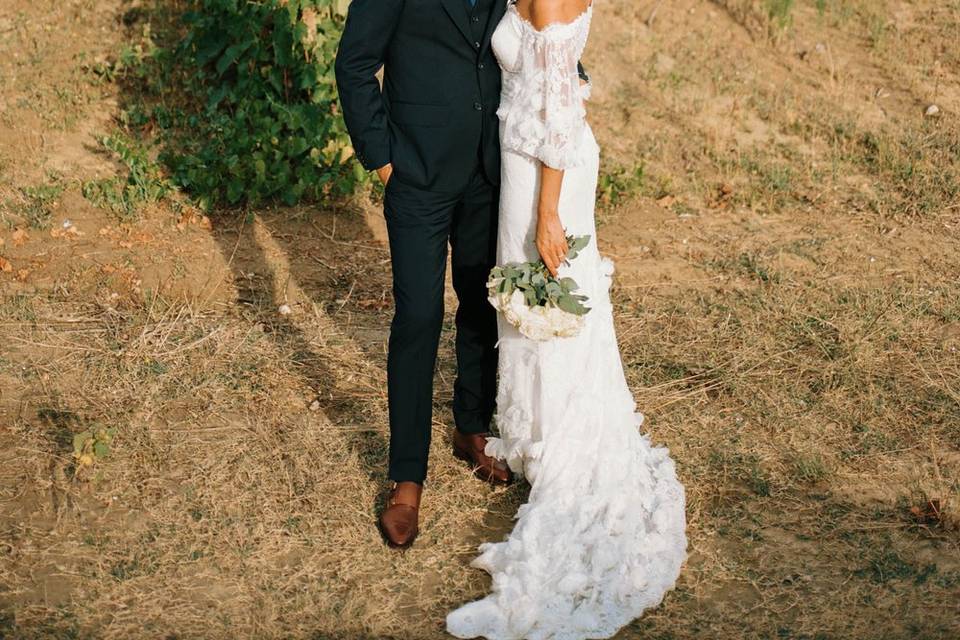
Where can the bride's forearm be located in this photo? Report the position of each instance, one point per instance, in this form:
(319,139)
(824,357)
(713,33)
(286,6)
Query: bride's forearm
(551,239)
(550,182)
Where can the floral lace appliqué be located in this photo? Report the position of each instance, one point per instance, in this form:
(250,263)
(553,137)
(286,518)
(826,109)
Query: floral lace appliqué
(542,103)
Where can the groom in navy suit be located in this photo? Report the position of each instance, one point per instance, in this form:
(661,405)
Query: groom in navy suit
(431,133)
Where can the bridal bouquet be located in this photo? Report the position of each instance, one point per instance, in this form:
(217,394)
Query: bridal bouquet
(536,303)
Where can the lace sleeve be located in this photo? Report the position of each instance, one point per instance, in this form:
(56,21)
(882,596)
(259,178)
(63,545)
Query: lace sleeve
(548,118)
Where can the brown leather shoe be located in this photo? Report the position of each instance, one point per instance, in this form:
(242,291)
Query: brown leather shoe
(469,447)
(398,522)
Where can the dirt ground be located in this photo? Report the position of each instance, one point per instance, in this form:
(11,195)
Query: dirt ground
(780,193)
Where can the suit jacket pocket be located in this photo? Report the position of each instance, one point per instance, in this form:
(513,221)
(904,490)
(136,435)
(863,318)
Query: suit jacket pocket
(419,115)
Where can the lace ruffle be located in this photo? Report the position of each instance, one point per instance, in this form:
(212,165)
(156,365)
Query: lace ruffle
(542,102)
(598,543)
(601,538)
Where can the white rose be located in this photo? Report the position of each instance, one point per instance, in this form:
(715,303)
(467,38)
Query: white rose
(538,322)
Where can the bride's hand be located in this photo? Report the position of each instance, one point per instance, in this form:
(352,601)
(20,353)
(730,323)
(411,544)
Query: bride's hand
(551,240)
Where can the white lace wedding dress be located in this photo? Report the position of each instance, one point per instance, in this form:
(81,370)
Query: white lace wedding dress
(602,537)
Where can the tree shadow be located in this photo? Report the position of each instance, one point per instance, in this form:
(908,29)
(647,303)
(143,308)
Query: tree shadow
(335,255)
(339,262)
(256,276)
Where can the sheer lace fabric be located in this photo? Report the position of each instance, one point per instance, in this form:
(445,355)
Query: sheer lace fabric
(541,105)
(602,536)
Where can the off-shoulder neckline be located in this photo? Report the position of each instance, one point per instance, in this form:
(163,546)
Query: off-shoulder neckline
(553,25)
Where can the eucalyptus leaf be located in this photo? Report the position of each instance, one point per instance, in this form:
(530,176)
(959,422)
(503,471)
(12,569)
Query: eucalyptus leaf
(571,305)
(538,286)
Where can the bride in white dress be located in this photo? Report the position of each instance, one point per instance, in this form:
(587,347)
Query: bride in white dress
(602,536)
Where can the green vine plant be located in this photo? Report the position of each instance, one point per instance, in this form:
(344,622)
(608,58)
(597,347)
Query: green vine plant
(144,181)
(248,108)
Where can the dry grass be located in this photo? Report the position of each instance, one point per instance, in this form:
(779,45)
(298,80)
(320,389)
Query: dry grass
(788,308)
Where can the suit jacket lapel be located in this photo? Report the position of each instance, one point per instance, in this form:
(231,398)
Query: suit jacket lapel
(496,15)
(457,9)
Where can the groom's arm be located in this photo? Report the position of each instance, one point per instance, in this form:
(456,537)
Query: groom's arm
(366,36)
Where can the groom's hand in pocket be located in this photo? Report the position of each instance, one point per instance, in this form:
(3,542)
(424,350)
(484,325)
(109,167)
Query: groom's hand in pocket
(384,173)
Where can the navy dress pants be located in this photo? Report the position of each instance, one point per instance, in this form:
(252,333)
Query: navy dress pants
(420,225)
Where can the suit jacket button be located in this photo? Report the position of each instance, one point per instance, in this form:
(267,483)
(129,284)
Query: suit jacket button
(476,45)
(480,66)
(478,106)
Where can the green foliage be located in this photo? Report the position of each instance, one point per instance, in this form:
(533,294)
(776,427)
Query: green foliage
(757,480)
(132,59)
(809,468)
(620,183)
(916,170)
(751,265)
(266,123)
(144,182)
(539,287)
(39,201)
(886,565)
(92,444)
(779,12)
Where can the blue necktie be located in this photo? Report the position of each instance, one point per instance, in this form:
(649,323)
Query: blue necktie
(472,3)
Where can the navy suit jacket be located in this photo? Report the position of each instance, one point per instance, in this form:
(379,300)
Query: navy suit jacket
(435,116)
